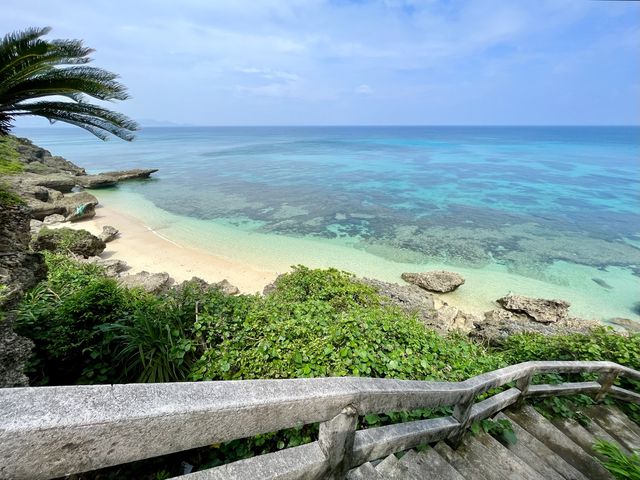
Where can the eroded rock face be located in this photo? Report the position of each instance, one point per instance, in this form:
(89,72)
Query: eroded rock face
(108,234)
(20,270)
(436,281)
(499,324)
(134,174)
(39,160)
(226,287)
(112,266)
(149,282)
(53,219)
(538,309)
(76,205)
(67,240)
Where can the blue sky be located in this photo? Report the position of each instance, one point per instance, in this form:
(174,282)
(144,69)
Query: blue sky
(327,62)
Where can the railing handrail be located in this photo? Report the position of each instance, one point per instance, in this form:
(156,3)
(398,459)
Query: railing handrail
(116,419)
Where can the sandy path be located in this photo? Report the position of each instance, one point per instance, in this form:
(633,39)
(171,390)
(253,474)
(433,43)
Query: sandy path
(144,249)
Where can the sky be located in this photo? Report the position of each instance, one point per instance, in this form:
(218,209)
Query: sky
(339,62)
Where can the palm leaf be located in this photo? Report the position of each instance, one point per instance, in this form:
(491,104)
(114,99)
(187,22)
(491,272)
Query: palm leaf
(32,68)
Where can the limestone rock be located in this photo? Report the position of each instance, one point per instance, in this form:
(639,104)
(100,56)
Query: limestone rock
(69,203)
(39,160)
(136,173)
(67,240)
(270,288)
(97,181)
(112,266)
(499,324)
(150,282)
(436,281)
(20,270)
(409,298)
(626,323)
(226,287)
(109,233)
(55,181)
(35,226)
(53,219)
(539,309)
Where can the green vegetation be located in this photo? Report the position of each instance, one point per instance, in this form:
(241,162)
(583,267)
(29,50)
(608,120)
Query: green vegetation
(9,156)
(501,429)
(8,198)
(87,329)
(621,466)
(34,71)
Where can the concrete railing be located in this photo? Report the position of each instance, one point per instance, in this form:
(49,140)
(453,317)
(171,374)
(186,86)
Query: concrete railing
(47,432)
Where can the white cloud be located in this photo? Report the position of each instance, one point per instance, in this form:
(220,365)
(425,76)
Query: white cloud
(364,89)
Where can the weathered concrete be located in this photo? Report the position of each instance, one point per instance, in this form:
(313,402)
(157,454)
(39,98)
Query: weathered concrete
(80,428)
(541,428)
(540,451)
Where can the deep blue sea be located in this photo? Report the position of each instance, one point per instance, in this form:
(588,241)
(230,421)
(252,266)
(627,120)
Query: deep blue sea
(558,206)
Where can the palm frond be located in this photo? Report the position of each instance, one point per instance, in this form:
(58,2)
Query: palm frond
(32,68)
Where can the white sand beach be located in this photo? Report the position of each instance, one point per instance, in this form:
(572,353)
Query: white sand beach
(144,249)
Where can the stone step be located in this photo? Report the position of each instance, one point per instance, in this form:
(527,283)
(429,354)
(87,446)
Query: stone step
(541,428)
(583,437)
(469,468)
(429,464)
(364,472)
(386,465)
(400,470)
(546,458)
(512,466)
(617,424)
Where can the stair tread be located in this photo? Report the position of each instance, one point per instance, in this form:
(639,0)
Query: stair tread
(386,465)
(618,425)
(429,464)
(544,453)
(469,466)
(581,435)
(509,464)
(538,426)
(365,471)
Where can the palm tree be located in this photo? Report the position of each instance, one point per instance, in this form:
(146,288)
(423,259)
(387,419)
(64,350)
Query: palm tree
(34,71)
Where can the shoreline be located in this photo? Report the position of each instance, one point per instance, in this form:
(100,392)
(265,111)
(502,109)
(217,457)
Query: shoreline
(143,248)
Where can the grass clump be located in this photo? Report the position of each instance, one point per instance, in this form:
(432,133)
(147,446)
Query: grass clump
(9,156)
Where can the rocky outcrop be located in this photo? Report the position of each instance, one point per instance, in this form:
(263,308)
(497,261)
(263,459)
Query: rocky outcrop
(112,266)
(133,174)
(626,323)
(436,281)
(40,161)
(108,234)
(19,271)
(149,282)
(53,219)
(538,309)
(226,287)
(97,181)
(499,324)
(67,240)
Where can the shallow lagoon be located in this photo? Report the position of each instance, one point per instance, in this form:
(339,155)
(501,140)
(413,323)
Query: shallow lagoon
(549,211)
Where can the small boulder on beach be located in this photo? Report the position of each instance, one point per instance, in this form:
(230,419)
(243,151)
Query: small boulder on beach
(149,282)
(67,240)
(539,309)
(109,233)
(436,281)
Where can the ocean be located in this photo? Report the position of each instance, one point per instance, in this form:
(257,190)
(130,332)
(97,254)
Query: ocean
(543,211)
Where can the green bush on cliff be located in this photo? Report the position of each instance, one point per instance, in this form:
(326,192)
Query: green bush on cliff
(322,323)
(9,156)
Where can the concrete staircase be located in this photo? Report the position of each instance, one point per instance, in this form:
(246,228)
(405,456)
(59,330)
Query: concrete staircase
(560,450)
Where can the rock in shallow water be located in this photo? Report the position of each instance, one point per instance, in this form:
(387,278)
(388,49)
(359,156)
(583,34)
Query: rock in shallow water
(436,281)
(539,309)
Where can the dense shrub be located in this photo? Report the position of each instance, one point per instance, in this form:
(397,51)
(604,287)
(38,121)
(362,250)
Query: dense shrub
(321,323)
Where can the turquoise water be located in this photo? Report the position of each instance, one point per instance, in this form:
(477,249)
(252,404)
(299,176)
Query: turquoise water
(546,209)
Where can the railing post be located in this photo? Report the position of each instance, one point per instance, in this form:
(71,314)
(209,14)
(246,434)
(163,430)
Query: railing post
(462,413)
(336,441)
(522,384)
(606,380)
